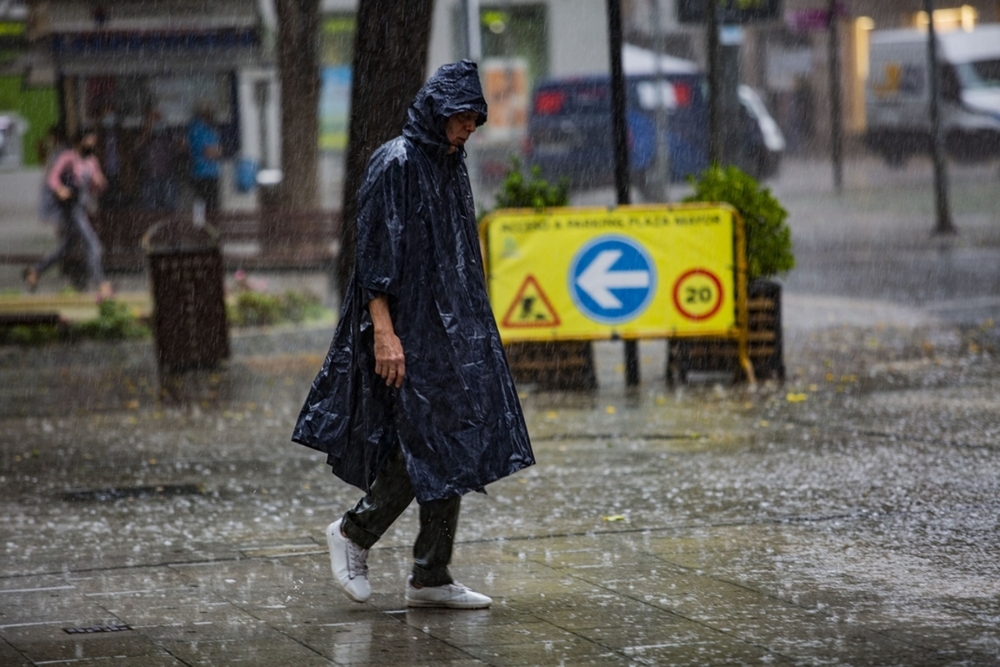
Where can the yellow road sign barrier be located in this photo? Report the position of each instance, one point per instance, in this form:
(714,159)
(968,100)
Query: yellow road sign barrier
(628,272)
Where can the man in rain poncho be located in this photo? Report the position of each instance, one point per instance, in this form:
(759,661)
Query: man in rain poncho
(415,399)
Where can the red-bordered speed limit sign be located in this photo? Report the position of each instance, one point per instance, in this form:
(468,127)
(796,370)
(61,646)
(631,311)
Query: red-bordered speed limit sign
(698,294)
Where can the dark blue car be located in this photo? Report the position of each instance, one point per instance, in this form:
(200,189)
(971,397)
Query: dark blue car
(569,132)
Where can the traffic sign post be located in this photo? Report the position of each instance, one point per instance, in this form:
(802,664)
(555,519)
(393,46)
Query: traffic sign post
(629,273)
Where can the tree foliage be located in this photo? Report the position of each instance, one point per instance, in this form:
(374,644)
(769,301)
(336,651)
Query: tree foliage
(531,191)
(768,237)
(114,321)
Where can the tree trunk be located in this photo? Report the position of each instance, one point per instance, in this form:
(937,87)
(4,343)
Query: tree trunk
(390,61)
(298,63)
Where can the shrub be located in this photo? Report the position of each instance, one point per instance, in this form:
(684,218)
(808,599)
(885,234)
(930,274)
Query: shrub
(31,335)
(254,309)
(300,306)
(768,238)
(518,191)
(114,321)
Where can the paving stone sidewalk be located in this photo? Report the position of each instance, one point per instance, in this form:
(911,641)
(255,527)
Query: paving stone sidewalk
(847,517)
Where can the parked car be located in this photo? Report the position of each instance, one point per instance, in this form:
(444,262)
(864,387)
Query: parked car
(569,128)
(897,101)
(764,144)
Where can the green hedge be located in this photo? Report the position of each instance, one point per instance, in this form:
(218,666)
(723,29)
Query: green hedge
(38,106)
(531,191)
(768,237)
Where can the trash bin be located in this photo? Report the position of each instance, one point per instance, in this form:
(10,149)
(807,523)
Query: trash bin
(189,308)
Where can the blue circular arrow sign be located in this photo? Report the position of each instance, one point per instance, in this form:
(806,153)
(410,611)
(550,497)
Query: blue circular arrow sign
(612,279)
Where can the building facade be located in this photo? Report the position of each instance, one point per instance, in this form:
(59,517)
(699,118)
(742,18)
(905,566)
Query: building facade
(114,63)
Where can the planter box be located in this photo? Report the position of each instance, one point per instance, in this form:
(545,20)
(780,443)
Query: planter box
(555,365)
(715,355)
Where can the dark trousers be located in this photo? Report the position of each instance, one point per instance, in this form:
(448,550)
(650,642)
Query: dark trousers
(389,496)
(76,227)
(207,190)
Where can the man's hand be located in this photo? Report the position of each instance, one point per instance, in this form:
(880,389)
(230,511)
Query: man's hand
(64,193)
(390,363)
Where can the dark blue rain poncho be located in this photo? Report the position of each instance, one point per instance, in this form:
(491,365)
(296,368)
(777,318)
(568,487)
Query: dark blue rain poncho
(457,415)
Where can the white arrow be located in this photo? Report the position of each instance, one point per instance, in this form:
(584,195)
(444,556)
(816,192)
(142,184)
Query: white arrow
(598,279)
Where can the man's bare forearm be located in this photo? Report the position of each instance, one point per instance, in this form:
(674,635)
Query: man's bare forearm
(381,319)
(390,362)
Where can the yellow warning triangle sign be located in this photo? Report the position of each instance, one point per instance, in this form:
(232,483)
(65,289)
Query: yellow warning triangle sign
(530,308)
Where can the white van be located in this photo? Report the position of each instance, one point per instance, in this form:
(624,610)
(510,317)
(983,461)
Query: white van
(898,94)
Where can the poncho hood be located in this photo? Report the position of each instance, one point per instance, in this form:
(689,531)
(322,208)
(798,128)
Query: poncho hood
(451,90)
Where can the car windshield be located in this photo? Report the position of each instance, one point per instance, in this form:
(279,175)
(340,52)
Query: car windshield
(979,74)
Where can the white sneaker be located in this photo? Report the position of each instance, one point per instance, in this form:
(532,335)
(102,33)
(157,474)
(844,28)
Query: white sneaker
(349,563)
(449,596)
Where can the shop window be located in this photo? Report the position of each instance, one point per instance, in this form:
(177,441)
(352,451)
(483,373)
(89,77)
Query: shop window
(514,58)
(173,95)
(948,19)
(516,32)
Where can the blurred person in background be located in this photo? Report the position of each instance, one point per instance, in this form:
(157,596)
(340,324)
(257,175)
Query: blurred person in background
(109,152)
(205,148)
(49,148)
(76,179)
(158,150)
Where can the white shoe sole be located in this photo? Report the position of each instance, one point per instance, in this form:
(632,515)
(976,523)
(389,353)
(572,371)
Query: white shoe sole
(429,604)
(447,604)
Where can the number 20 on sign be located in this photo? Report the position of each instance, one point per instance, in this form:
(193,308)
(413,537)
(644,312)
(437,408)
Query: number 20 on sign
(698,294)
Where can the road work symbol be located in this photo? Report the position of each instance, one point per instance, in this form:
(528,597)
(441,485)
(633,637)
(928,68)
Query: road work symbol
(530,308)
(612,279)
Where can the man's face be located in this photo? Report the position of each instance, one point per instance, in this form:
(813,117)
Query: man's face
(459,128)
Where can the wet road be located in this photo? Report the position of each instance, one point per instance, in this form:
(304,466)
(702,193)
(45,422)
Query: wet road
(874,244)
(875,241)
(848,517)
